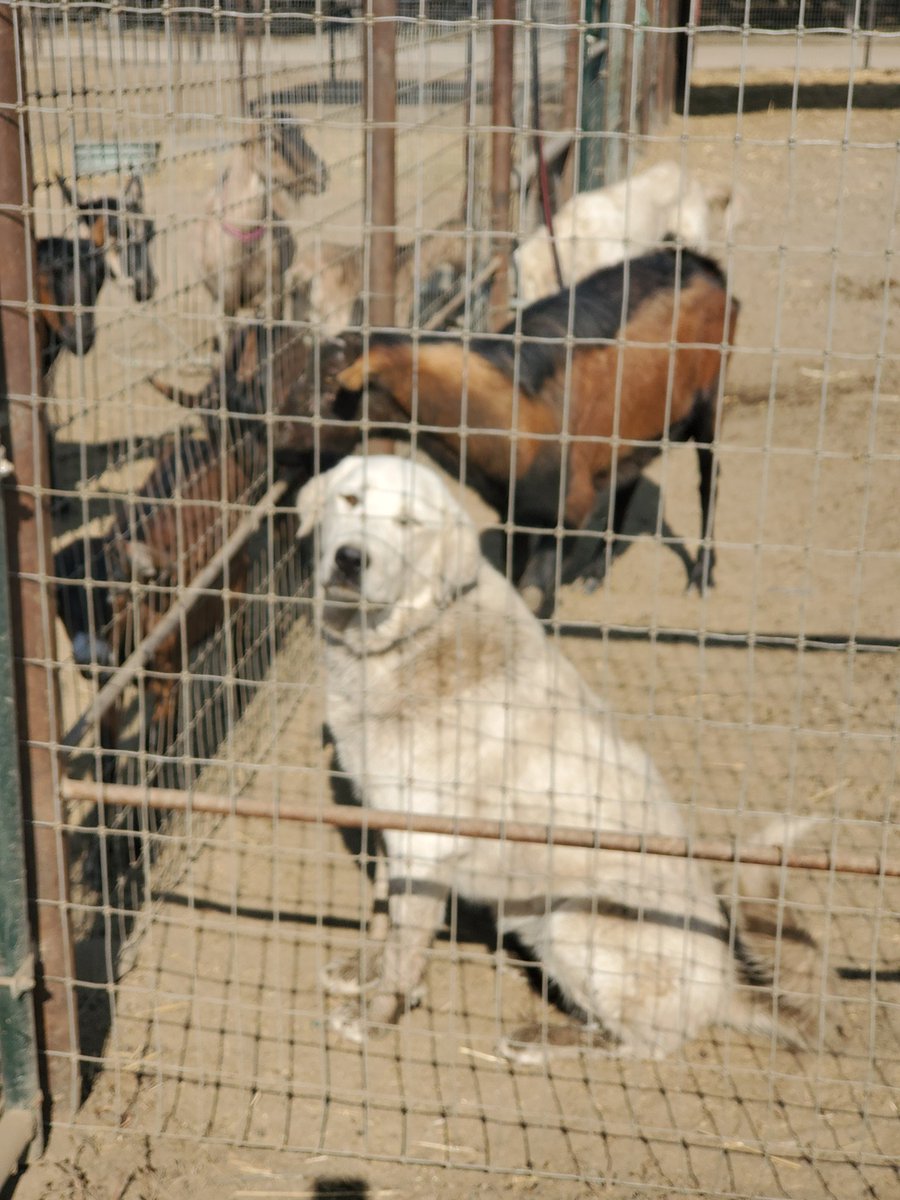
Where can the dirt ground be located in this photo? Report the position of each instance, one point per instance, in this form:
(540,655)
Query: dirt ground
(216,1078)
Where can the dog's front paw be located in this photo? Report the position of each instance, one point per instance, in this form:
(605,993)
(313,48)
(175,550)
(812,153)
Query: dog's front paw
(352,974)
(373,1016)
(347,1021)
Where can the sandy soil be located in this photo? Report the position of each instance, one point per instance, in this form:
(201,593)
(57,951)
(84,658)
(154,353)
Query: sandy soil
(216,1077)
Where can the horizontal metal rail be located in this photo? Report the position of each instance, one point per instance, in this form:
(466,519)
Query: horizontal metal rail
(199,586)
(348,817)
(720,639)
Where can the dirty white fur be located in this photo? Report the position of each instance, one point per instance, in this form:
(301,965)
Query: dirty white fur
(444,695)
(602,227)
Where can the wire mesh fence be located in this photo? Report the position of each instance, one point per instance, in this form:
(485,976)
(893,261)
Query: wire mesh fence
(837,15)
(209,207)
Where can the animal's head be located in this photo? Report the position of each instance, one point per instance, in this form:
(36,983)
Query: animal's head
(136,232)
(130,234)
(388,372)
(120,228)
(306,173)
(263,363)
(83,600)
(311,391)
(393,546)
(132,564)
(70,275)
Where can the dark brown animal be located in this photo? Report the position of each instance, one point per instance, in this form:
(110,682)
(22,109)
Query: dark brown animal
(158,543)
(271,376)
(555,437)
(261,369)
(70,274)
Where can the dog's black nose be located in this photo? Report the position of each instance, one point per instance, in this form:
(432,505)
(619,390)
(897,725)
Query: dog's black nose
(349,561)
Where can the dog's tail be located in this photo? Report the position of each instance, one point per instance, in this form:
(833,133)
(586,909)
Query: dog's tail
(779,961)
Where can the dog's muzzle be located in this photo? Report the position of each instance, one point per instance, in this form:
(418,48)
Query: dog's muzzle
(349,564)
(343,586)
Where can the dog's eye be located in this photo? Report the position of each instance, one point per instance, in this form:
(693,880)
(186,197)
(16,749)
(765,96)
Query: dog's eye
(350,500)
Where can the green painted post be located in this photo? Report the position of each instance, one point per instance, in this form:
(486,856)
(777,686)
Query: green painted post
(592,158)
(18,1040)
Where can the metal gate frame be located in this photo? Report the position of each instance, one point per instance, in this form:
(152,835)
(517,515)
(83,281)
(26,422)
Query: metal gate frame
(20,1092)
(36,987)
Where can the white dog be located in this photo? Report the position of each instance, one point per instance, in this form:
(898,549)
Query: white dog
(602,227)
(444,696)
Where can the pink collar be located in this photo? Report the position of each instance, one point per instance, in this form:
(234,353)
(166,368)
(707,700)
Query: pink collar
(243,235)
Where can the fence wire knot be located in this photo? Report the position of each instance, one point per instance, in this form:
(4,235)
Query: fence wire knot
(22,981)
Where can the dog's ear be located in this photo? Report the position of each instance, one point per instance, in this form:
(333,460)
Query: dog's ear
(460,552)
(310,502)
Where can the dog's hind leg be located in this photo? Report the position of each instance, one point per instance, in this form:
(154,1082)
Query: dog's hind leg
(625,974)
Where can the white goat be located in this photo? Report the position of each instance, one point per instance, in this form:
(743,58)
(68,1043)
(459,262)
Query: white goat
(600,228)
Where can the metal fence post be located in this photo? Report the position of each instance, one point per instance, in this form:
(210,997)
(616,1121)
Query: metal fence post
(28,526)
(380,107)
(20,1088)
(502,121)
(593,115)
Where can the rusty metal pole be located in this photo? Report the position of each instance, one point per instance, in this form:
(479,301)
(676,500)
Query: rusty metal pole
(380,101)
(31,609)
(345,816)
(503,42)
(240,34)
